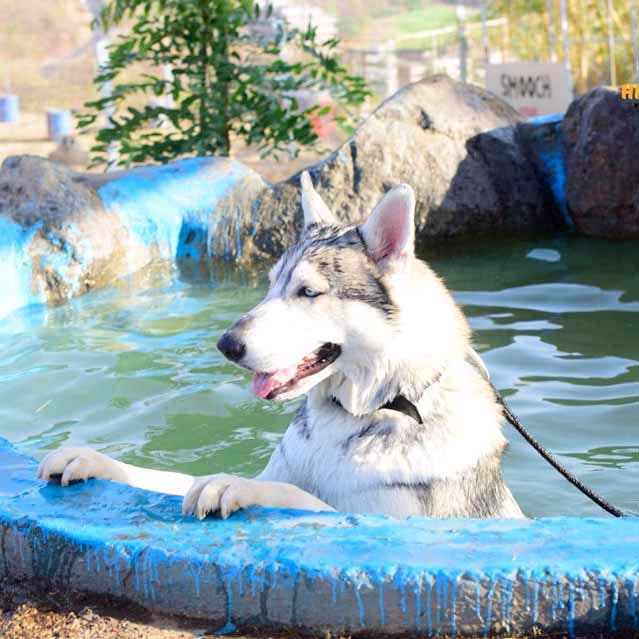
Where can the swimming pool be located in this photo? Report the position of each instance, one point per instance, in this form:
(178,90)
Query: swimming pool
(133,370)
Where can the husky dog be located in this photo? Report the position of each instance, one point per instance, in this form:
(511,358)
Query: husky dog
(398,416)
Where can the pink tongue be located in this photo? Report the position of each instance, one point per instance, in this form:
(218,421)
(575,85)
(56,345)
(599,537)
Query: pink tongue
(264,383)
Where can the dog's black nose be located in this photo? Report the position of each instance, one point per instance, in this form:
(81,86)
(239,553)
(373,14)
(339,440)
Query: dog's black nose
(231,347)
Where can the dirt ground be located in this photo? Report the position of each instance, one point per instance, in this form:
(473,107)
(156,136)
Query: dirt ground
(27,614)
(29,136)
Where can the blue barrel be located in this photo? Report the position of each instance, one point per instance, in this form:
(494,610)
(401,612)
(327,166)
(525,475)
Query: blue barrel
(59,123)
(9,108)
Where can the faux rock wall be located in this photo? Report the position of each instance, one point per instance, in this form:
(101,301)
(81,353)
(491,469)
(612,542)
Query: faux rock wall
(476,168)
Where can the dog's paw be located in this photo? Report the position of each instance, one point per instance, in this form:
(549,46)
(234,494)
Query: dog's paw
(68,465)
(219,493)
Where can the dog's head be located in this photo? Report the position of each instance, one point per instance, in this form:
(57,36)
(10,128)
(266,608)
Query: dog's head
(350,305)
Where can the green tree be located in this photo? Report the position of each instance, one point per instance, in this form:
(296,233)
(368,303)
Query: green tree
(235,73)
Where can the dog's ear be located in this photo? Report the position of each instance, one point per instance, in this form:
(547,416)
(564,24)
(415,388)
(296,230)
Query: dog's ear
(389,232)
(313,206)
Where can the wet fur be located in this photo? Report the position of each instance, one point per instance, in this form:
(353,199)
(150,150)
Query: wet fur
(400,332)
(384,461)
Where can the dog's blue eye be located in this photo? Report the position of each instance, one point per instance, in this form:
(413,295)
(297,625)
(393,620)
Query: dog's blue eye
(305,291)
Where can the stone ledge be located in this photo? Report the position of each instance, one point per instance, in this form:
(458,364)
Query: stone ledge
(319,572)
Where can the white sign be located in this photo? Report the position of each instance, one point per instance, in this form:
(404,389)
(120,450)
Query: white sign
(533,88)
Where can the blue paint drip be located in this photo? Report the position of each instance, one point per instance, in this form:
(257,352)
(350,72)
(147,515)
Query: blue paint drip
(571,610)
(360,605)
(602,593)
(631,586)
(551,157)
(453,609)
(554,586)
(229,599)
(227,629)
(614,603)
(438,597)
(428,604)
(417,589)
(400,584)
(489,606)
(195,567)
(505,597)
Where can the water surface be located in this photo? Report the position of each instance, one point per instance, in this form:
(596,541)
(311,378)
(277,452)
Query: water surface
(133,371)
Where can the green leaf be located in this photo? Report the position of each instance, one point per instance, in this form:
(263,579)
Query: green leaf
(226,82)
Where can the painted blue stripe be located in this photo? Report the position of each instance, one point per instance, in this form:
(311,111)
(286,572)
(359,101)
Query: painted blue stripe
(169,207)
(551,156)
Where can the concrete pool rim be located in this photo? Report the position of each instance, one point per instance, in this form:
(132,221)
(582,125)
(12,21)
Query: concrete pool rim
(286,569)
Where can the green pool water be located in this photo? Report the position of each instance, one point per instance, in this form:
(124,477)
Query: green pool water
(133,371)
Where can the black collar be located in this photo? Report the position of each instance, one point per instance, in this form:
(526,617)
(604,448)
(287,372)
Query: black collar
(400,404)
(403,405)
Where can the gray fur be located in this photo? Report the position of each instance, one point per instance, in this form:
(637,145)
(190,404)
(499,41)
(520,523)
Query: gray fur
(301,422)
(339,254)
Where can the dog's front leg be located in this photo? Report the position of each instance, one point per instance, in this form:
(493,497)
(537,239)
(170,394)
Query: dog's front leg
(227,493)
(79,464)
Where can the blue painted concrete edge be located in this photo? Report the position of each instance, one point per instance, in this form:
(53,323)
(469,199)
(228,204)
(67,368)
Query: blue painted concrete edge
(172,206)
(105,519)
(173,211)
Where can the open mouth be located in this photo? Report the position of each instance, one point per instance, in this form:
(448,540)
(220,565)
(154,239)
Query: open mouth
(270,385)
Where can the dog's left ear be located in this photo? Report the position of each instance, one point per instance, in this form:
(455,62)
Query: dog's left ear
(389,232)
(313,206)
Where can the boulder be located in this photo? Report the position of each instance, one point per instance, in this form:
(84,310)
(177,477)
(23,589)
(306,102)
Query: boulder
(64,233)
(454,143)
(601,138)
(58,239)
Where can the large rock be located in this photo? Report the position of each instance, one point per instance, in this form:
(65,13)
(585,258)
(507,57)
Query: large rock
(601,138)
(62,233)
(57,238)
(454,143)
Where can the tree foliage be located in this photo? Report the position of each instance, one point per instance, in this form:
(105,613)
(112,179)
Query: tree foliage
(234,74)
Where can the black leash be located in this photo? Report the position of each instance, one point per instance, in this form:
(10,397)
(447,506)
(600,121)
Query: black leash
(521,429)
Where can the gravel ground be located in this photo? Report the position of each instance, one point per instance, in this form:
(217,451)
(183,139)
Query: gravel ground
(29,136)
(27,614)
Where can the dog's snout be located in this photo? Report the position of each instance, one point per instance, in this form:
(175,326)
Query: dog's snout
(231,346)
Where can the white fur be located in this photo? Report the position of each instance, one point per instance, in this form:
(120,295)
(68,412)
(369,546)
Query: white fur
(390,229)
(313,206)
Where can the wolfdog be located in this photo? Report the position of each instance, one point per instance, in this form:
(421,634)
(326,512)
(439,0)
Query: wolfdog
(398,416)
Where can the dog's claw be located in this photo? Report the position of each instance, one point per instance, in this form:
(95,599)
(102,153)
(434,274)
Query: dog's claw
(213,494)
(71,465)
